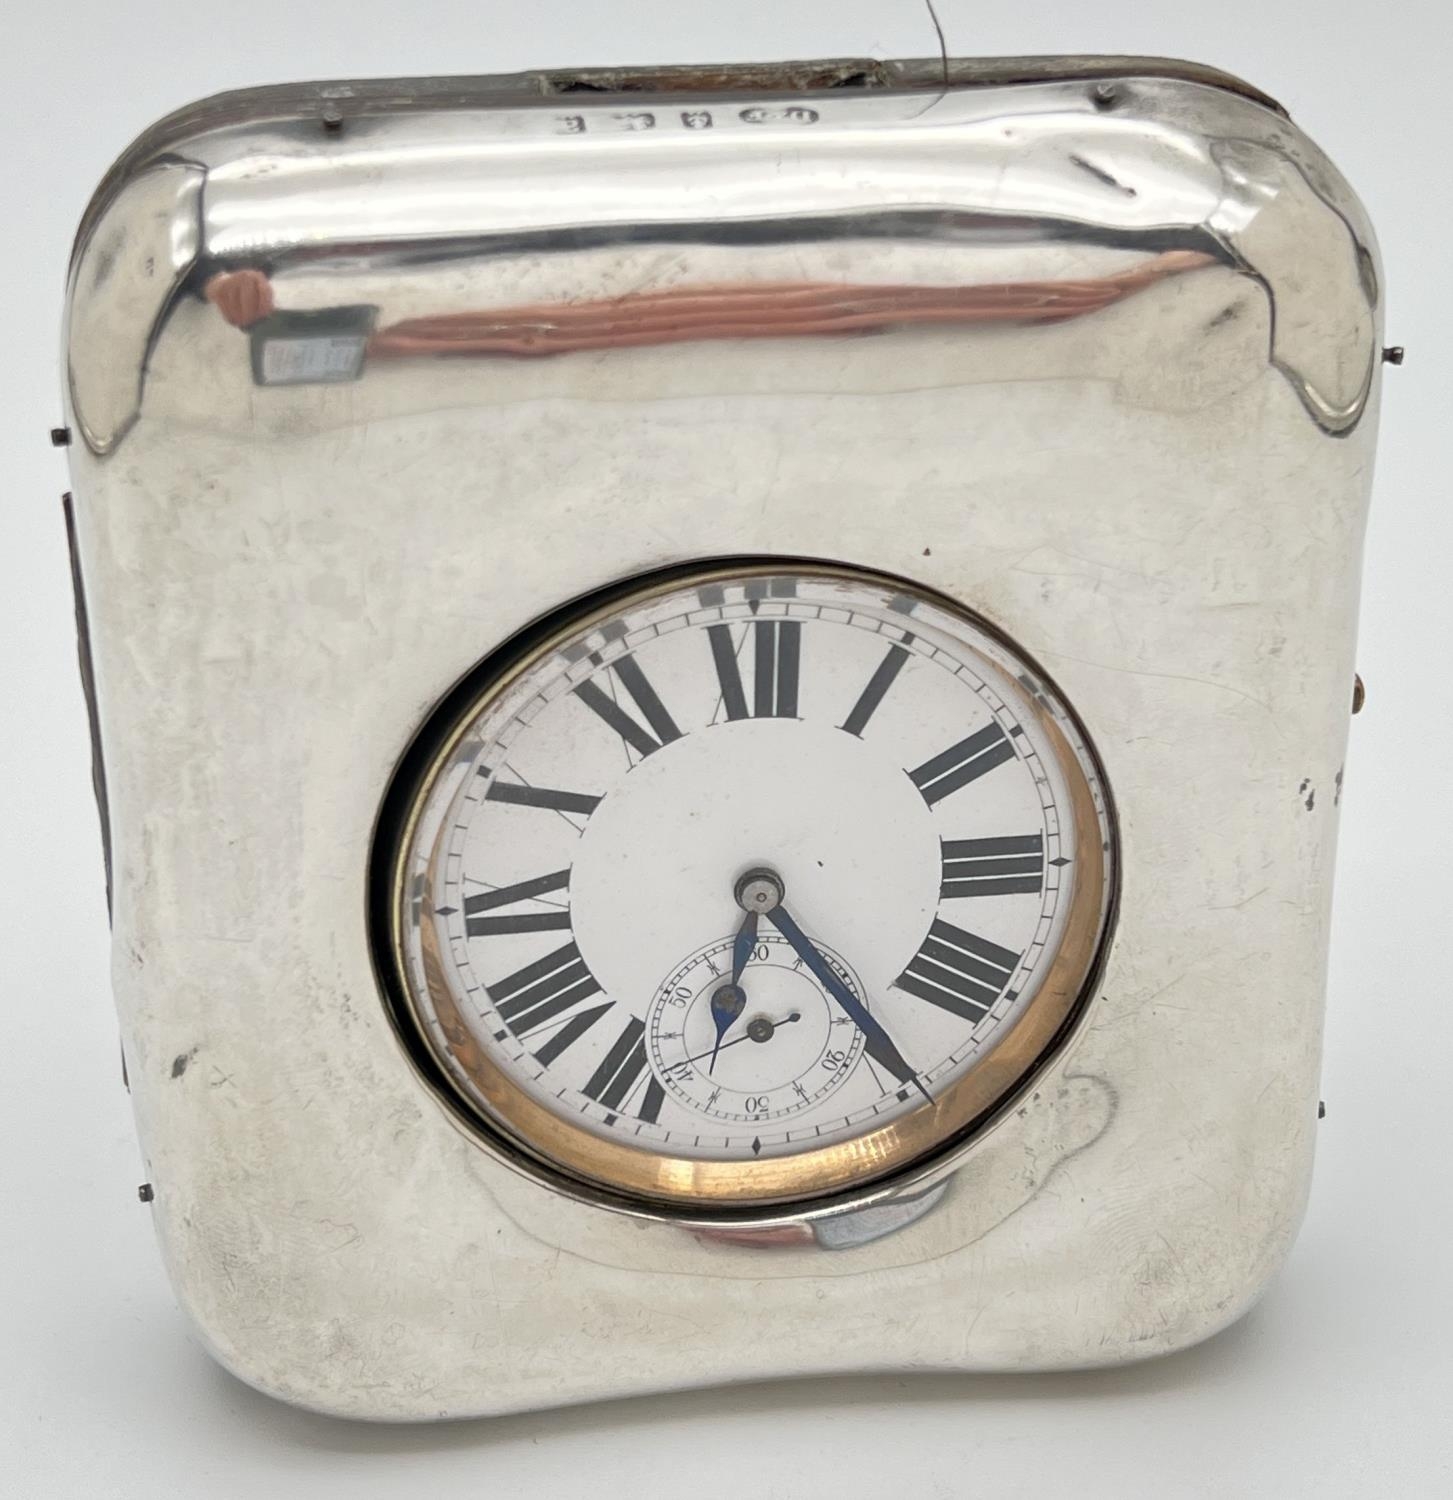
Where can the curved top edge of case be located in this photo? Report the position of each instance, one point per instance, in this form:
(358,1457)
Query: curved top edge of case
(325,99)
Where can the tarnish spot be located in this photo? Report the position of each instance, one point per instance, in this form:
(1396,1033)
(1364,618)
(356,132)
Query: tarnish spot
(1308,793)
(1337,794)
(1227,314)
(182,1061)
(105,263)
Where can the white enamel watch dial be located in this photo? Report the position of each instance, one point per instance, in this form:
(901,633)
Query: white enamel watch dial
(744,886)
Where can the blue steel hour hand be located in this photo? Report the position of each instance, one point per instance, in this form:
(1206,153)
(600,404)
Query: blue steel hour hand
(879,1044)
(728,1001)
(742,945)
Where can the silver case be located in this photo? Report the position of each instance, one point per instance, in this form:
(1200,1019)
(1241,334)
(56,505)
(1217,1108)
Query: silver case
(1162,500)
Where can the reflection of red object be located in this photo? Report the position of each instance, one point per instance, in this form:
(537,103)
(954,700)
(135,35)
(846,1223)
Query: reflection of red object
(784,309)
(774,1237)
(242,297)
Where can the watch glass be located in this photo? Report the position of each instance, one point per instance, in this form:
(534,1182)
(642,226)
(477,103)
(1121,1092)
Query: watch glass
(744,885)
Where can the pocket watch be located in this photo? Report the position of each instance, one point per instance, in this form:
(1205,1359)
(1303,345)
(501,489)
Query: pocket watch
(719,699)
(595,863)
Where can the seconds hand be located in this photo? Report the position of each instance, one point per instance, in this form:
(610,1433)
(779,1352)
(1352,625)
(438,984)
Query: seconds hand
(747,1036)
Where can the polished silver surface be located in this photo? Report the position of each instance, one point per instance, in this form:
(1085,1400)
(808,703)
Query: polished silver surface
(365,378)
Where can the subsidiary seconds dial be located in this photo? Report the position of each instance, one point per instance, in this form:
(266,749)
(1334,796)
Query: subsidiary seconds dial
(782,1051)
(744,886)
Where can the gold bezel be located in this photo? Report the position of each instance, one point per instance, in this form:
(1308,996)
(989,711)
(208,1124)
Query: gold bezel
(513,1118)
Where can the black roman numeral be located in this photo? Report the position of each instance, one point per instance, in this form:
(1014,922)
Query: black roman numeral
(776,651)
(478,925)
(539,992)
(958,972)
(575,1027)
(878,685)
(539,796)
(776,664)
(993,867)
(962,763)
(638,736)
(728,673)
(621,1070)
(776,658)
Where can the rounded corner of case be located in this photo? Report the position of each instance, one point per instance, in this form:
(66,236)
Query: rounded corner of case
(249,1355)
(132,258)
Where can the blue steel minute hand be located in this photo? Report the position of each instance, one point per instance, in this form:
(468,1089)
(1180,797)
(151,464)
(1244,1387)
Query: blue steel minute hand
(879,1043)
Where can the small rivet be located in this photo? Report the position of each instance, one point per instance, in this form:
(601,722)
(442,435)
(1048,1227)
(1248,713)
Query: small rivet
(332,120)
(60,437)
(1105,95)
(1393,355)
(145,1192)
(1359,694)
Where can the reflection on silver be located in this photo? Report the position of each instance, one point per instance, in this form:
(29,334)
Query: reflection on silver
(455,207)
(751,310)
(848,1230)
(365,377)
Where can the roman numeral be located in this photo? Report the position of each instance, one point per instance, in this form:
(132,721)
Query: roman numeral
(621,1070)
(728,673)
(959,972)
(477,925)
(776,657)
(962,763)
(993,867)
(539,796)
(878,685)
(575,1027)
(528,998)
(776,665)
(637,735)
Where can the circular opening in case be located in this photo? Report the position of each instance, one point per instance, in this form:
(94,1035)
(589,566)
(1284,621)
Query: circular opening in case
(563,877)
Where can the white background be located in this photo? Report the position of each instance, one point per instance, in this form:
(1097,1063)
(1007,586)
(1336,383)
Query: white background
(1339,1384)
